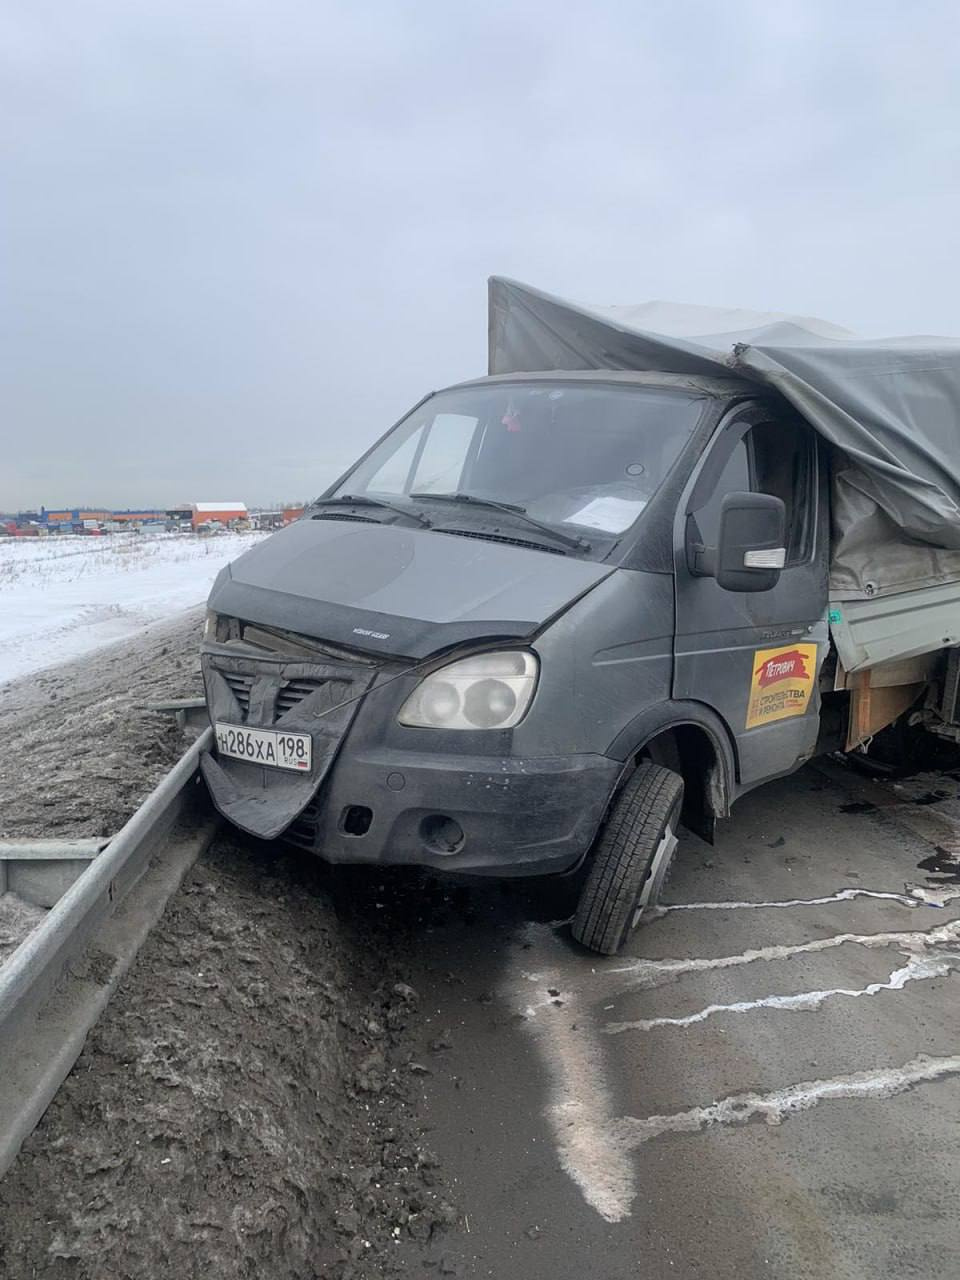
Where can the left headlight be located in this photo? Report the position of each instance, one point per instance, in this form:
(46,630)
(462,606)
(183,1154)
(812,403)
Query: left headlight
(487,691)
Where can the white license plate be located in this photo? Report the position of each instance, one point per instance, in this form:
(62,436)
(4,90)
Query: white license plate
(266,746)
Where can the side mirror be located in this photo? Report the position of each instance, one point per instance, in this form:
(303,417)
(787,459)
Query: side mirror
(751,549)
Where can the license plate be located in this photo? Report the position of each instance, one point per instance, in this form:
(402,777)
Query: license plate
(266,746)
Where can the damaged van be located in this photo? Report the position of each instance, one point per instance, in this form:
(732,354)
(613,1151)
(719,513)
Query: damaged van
(655,558)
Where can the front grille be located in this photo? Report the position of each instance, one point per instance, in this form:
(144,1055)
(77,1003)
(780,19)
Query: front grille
(500,537)
(240,687)
(291,694)
(294,691)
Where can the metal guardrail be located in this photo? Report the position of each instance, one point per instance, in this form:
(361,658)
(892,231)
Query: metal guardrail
(189,712)
(55,985)
(41,871)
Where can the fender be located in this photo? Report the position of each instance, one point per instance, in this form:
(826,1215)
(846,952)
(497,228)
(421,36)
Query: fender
(672,714)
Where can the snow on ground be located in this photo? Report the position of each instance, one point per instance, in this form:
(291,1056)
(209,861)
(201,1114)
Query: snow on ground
(64,596)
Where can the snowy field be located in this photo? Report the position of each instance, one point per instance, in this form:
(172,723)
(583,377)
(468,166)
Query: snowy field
(64,596)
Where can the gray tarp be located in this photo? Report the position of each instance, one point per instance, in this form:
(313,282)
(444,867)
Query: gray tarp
(892,405)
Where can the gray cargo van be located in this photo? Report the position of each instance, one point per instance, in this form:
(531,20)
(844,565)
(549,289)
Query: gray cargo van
(547,619)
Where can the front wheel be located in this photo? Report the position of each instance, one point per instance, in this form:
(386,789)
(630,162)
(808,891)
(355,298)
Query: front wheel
(631,860)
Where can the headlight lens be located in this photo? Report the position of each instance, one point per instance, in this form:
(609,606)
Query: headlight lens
(487,691)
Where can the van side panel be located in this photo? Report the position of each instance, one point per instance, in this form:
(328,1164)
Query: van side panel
(603,662)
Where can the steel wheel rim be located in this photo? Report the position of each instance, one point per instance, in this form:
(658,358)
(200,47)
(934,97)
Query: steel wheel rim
(659,865)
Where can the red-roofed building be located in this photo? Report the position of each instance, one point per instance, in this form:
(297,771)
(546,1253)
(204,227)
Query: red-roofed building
(217,512)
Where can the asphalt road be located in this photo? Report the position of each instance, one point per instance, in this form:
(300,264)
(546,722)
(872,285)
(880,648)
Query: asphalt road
(766,1085)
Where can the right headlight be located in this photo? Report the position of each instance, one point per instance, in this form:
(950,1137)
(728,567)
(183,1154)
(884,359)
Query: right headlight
(487,691)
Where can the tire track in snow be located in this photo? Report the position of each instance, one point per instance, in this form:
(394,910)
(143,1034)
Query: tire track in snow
(650,973)
(631,1132)
(915,970)
(580,1108)
(912,897)
(595,1146)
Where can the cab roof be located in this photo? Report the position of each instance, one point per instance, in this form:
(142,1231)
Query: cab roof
(696,383)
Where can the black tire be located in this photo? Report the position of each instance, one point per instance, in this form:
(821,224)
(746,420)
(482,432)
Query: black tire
(639,833)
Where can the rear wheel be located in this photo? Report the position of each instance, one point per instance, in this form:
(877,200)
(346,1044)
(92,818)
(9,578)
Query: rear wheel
(632,859)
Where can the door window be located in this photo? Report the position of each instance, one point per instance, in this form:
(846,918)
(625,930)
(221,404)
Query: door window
(771,457)
(734,478)
(782,458)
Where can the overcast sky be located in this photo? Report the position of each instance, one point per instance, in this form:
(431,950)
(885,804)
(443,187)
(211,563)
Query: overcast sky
(238,239)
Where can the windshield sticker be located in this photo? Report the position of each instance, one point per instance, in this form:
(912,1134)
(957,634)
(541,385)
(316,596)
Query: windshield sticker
(612,515)
(782,683)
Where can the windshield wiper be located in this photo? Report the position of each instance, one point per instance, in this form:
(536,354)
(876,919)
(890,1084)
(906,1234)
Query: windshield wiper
(568,539)
(362,500)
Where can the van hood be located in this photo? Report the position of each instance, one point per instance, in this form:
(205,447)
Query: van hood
(393,590)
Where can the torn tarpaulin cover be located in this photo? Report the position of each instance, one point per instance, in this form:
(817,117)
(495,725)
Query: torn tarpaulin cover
(891,405)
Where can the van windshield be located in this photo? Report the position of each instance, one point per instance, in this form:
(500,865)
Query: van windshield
(584,459)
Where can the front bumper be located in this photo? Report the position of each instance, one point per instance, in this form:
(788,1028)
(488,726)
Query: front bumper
(517,817)
(288,694)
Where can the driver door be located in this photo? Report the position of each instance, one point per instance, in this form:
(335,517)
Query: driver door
(754,657)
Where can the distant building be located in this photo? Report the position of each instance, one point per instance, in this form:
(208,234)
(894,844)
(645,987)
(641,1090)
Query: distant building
(266,519)
(65,519)
(217,512)
(77,517)
(87,519)
(276,518)
(147,516)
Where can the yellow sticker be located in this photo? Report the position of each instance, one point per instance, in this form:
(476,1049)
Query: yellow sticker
(782,683)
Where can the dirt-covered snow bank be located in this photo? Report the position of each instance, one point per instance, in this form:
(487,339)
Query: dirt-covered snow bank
(80,749)
(17,919)
(244,1107)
